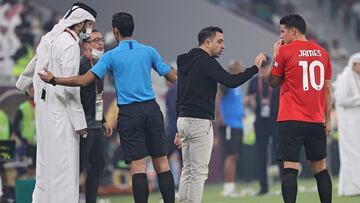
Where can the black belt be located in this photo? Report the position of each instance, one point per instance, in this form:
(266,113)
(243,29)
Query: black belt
(43,94)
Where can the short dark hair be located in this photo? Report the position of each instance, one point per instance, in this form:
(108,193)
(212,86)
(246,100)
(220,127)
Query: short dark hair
(124,22)
(295,21)
(208,32)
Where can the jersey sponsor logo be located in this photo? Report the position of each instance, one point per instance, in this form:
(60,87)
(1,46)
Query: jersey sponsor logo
(309,53)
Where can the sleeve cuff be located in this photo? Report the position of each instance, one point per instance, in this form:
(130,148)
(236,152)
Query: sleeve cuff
(167,71)
(254,69)
(95,74)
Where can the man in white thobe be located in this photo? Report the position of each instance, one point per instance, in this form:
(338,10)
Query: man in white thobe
(60,117)
(347,100)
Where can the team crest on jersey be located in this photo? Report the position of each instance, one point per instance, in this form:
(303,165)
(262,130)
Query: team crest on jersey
(275,64)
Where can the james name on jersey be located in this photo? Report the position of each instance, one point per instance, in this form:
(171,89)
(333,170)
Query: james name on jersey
(309,53)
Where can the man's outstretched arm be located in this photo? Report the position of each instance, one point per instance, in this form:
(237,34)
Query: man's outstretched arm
(81,80)
(171,76)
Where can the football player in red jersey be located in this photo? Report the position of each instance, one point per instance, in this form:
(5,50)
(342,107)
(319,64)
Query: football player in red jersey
(303,70)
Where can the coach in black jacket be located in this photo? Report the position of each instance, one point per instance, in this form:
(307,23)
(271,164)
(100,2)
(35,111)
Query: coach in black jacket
(92,148)
(198,75)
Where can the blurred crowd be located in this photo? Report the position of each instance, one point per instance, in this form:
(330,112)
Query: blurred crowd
(22,23)
(267,10)
(347,11)
(270,11)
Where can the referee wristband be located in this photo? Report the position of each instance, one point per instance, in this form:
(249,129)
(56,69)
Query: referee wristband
(52,81)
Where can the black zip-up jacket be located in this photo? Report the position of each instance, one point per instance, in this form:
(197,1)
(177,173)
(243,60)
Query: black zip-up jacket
(88,95)
(198,75)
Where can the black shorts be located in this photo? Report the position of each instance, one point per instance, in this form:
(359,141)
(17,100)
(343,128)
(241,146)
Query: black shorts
(141,129)
(294,134)
(231,140)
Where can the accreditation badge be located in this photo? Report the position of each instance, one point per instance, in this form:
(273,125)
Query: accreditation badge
(265,111)
(265,108)
(99,107)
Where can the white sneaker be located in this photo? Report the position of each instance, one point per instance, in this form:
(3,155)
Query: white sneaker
(232,194)
(248,192)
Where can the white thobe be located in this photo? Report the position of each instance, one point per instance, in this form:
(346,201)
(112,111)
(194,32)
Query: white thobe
(347,97)
(58,116)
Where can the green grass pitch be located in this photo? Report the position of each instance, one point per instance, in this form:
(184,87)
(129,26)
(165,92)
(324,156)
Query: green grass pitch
(306,194)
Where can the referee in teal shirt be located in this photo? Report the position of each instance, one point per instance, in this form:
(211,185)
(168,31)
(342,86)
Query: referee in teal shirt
(140,121)
(131,64)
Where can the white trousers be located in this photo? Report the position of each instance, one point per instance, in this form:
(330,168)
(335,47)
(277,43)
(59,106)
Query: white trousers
(197,141)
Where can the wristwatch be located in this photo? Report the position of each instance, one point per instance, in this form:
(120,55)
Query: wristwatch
(52,81)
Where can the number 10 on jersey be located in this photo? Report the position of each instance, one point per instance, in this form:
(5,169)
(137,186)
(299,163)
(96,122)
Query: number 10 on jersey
(309,72)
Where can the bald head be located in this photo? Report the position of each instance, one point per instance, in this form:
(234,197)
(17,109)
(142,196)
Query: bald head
(235,67)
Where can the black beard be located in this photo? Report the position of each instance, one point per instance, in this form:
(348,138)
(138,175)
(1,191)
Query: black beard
(83,29)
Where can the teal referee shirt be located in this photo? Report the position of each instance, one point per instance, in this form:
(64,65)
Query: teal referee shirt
(130,64)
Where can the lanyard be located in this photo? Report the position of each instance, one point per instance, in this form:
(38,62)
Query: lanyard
(260,90)
(99,83)
(99,90)
(99,86)
(72,35)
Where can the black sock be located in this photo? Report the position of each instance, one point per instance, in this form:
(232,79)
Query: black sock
(167,186)
(92,184)
(324,186)
(140,188)
(289,185)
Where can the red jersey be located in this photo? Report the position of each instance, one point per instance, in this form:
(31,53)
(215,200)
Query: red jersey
(303,66)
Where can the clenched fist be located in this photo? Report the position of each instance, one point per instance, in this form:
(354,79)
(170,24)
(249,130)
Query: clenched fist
(261,58)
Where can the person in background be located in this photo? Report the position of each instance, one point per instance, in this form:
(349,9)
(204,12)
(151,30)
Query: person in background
(174,155)
(5,133)
(9,42)
(24,127)
(92,147)
(347,100)
(5,126)
(264,100)
(337,51)
(229,116)
(26,51)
